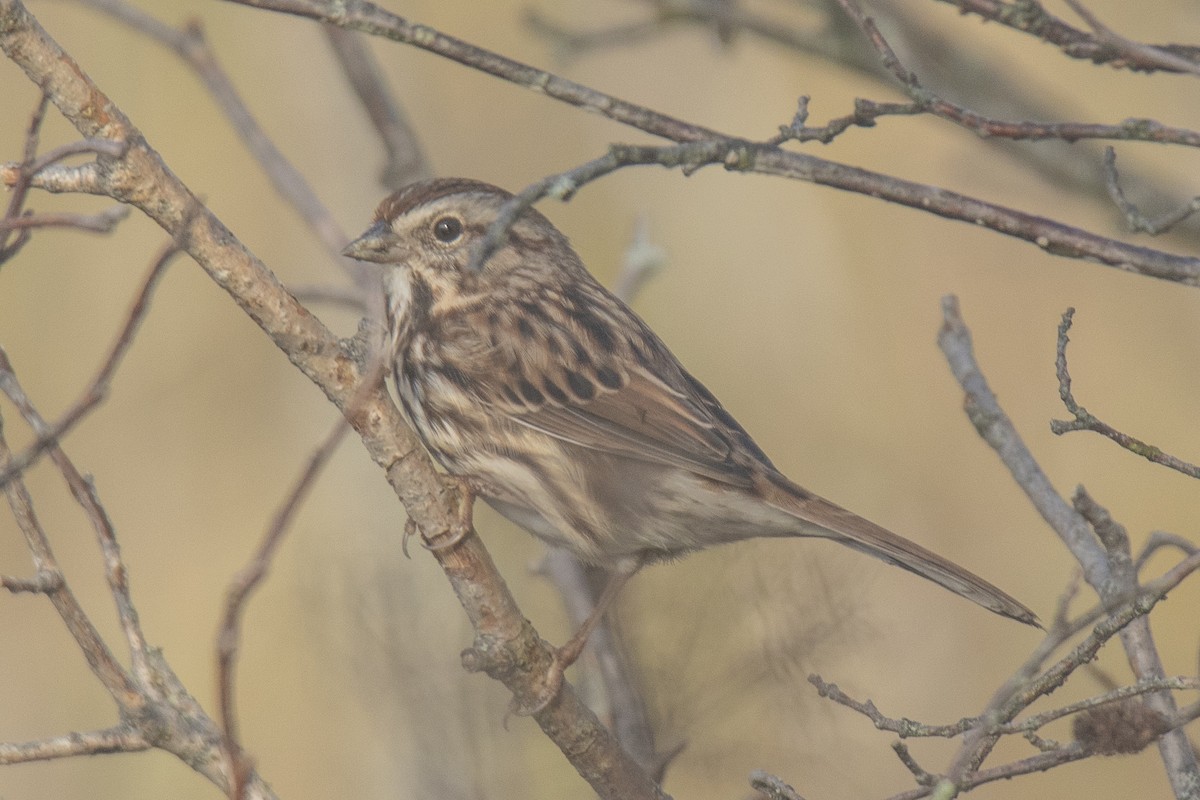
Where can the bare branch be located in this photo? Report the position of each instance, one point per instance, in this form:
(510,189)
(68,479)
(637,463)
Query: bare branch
(1145,56)
(570,43)
(1159,540)
(1113,578)
(1121,693)
(1029,16)
(45,581)
(964,71)
(925,100)
(1137,221)
(16,219)
(250,576)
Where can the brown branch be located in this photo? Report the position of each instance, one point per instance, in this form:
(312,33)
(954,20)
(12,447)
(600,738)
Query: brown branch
(33,135)
(998,431)
(1158,540)
(349,298)
(253,574)
(866,112)
(774,788)
(506,645)
(44,581)
(981,733)
(1037,721)
(963,72)
(902,726)
(1026,766)
(569,43)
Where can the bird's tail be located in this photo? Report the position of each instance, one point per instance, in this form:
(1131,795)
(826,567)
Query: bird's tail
(819,517)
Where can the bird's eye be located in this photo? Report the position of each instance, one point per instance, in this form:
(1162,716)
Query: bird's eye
(447,229)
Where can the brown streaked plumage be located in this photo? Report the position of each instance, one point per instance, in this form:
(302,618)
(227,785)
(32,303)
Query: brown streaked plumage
(574,417)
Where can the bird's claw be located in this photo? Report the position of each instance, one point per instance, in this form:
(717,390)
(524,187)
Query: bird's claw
(459,529)
(410,529)
(552,683)
(463,524)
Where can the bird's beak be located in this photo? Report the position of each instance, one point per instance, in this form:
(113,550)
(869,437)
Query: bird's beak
(373,245)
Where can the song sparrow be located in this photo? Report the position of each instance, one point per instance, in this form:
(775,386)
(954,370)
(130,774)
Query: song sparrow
(571,415)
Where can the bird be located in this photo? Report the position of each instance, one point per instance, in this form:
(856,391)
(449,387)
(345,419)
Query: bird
(570,416)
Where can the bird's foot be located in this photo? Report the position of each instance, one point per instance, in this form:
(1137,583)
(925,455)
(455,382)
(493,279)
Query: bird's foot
(552,681)
(460,528)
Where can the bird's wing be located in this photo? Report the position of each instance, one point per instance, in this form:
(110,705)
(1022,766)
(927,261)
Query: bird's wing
(643,418)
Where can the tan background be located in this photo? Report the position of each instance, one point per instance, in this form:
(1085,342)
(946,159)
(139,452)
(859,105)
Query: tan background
(812,314)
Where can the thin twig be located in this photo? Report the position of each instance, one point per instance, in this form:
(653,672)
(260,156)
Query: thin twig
(22,222)
(926,101)
(247,579)
(97,390)
(774,788)
(118,739)
(997,430)
(250,576)
(190,45)
(1085,420)
(406,160)
(963,71)
(1137,221)
(102,662)
(1033,723)
(101,222)
(84,493)
(742,155)
(1112,578)
(1157,540)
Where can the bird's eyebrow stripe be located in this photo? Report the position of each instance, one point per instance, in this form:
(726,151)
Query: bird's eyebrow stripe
(422,192)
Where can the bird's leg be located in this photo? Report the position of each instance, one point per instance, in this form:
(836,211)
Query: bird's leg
(569,653)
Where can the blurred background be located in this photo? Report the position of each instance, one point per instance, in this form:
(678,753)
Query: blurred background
(812,314)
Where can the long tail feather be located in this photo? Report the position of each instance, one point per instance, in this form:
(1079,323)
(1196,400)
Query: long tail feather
(822,518)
